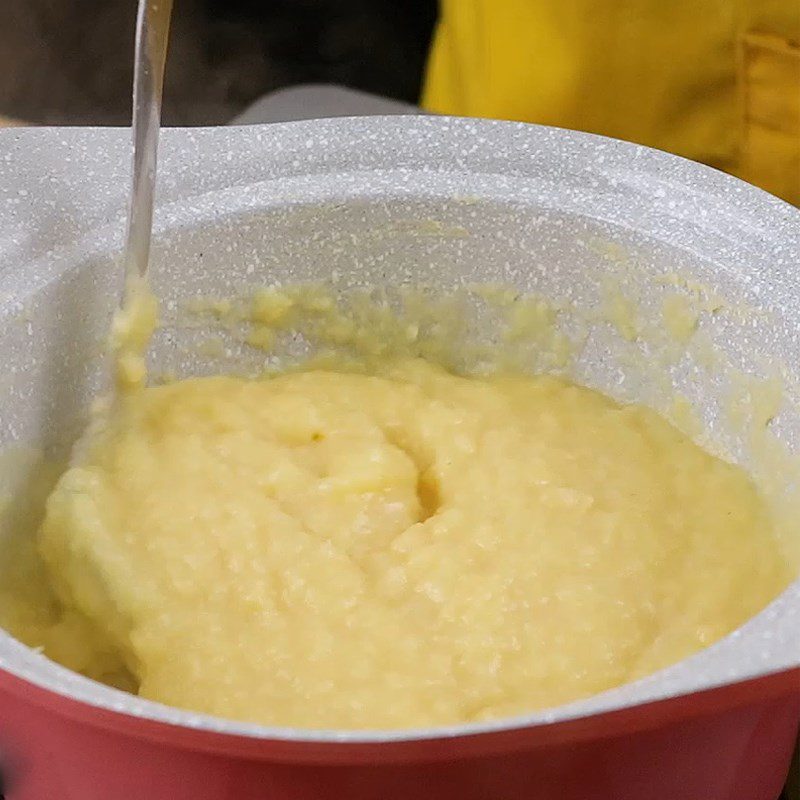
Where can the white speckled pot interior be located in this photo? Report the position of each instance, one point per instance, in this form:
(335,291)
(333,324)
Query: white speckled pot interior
(534,207)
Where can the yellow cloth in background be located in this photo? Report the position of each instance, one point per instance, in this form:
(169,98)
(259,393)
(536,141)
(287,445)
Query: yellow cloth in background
(713,80)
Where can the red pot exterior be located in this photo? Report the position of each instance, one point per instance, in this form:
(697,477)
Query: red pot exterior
(731,743)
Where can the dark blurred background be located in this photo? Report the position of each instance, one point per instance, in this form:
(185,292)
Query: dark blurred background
(70,61)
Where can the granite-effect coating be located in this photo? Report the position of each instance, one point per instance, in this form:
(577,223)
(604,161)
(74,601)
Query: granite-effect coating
(547,210)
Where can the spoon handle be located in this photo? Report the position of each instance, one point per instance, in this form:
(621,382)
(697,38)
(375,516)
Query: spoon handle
(152,33)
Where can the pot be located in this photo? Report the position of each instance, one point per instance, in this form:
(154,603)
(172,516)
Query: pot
(404,201)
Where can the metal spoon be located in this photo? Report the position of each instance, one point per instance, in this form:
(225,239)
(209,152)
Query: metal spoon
(135,320)
(152,33)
